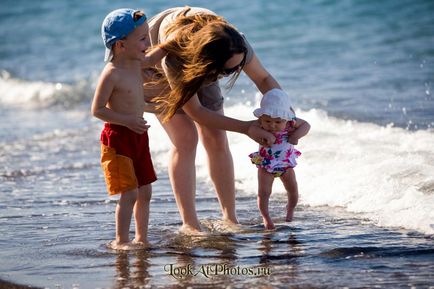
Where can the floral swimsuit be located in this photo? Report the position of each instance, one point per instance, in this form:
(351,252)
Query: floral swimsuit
(277,158)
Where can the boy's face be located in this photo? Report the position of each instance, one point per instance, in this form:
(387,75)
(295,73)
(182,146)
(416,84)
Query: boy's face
(272,124)
(137,42)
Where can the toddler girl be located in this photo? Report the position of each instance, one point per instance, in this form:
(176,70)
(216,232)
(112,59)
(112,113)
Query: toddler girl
(277,116)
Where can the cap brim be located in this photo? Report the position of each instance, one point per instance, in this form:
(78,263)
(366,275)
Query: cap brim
(108,55)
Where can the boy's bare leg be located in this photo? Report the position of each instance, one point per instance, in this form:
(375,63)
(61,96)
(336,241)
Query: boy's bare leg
(265,184)
(124,210)
(182,170)
(290,182)
(141,215)
(221,169)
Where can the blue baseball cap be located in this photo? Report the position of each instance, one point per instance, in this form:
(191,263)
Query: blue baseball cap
(117,25)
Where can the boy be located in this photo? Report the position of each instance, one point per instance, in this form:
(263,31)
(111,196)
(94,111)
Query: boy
(119,101)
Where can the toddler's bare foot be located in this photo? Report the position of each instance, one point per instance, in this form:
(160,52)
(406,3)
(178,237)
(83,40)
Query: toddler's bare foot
(289,214)
(268,224)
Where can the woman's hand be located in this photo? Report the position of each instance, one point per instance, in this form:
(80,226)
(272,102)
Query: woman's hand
(260,135)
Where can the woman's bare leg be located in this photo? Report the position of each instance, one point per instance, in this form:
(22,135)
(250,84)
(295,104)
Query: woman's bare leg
(221,169)
(182,172)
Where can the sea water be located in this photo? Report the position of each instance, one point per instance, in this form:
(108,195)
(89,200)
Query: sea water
(361,73)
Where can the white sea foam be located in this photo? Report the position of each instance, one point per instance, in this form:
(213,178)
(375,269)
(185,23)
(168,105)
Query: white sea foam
(33,94)
(384,174)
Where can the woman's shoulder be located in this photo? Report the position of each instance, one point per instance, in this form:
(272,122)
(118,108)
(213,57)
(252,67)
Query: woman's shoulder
(159,22)
(170,14)
(199,10)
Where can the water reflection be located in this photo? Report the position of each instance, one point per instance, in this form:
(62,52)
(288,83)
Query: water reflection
(132,269)
(200,261)
(281,254)
(214,260)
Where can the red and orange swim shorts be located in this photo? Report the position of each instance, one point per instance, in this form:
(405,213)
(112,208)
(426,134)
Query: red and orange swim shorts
(125,159)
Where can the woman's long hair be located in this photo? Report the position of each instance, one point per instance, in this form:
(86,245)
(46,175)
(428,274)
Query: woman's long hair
(202,44)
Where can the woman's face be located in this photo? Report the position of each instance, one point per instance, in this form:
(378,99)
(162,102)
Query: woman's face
(234,64)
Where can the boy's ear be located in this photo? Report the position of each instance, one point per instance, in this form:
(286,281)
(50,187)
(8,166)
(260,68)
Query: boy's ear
(119,45)
(122,43)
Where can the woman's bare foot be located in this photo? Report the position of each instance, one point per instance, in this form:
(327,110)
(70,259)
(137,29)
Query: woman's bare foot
(230,225)
(189,230)
(221,226)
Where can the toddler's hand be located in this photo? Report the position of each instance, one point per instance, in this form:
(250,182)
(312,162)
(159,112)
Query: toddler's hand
(138,124)
(292,140)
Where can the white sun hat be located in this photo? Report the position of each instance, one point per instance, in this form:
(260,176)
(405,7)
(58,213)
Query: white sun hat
(275,103)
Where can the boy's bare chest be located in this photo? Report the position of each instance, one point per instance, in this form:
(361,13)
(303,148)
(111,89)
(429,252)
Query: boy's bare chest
(129,92)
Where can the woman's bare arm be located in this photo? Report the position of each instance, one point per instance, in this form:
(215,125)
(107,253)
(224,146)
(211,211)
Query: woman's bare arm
(153,57)
(263,80)
(204,116)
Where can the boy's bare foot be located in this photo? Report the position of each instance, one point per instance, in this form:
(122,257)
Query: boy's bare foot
(127,246)
(115,245)
(140,244)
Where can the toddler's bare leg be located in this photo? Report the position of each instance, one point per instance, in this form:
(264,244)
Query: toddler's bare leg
(141,214)
(265,184)
(290,182)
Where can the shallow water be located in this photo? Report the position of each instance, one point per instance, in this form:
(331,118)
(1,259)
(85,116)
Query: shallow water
(65,248)
(56,221)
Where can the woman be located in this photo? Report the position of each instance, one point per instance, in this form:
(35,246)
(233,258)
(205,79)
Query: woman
(202,47)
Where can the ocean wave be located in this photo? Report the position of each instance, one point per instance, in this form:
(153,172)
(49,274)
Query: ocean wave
(374,252)
(48,154)
(7,174)
(22,93)
(380,173)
